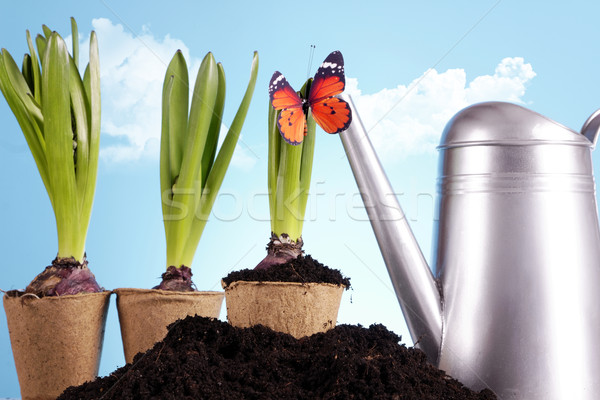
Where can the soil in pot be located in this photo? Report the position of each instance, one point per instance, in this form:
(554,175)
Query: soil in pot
(300,297)
(139,332)
(203,358)
(303,269)
(174,298)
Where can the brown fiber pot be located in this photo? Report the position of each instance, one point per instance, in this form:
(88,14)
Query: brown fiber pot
(144,314)
(56,341)
(300,309)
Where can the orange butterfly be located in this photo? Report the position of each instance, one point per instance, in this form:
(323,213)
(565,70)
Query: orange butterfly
(332,114)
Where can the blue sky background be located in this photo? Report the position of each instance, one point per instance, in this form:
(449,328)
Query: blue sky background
(409,65)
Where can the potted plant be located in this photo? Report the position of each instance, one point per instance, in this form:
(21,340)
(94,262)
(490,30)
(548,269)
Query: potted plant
(288,291)
(56,325)
(191,173)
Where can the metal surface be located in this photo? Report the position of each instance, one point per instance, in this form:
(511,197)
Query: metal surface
(517,253)
(412,280)
(591,128)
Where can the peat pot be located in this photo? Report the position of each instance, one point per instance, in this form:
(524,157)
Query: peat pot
(300,309)
(144,314)
(56,341)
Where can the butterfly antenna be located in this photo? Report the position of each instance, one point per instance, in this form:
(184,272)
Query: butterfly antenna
(310,59)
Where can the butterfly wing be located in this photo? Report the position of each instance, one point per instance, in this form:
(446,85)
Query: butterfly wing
(332,114)
(291,121)
(292,125)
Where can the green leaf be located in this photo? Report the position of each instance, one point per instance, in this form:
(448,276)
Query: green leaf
(219,168)
(59,147)
(75,41)
(289,177)
(166,186)
(273,161)
(21,88)
(31,130)
(175,102)
(201,117)
(41,44)
(87,91)
(288,191)
(80,106)
(188,183)
(47,31)
(308,150)
(91,86)
(27,71)
(210,149)
(37,75)
(176,115)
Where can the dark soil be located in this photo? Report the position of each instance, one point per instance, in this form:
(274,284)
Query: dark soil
(202,358)
(303,269)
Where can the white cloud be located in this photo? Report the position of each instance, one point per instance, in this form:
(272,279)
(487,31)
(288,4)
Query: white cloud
(409,119)
(132,71)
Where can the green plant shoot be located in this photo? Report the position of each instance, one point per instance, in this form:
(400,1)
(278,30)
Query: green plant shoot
(191,170)
(59,114)
(289,172)
(290,169)
(293,117)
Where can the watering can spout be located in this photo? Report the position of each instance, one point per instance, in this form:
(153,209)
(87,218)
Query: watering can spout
(413,281)
(591,128)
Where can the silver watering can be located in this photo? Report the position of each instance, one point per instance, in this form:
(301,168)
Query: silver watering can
(514,304)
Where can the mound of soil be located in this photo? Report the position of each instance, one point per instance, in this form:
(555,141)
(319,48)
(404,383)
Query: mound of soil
(202,358)
(302,269)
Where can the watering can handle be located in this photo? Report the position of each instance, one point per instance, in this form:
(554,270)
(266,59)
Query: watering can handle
(591,128)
